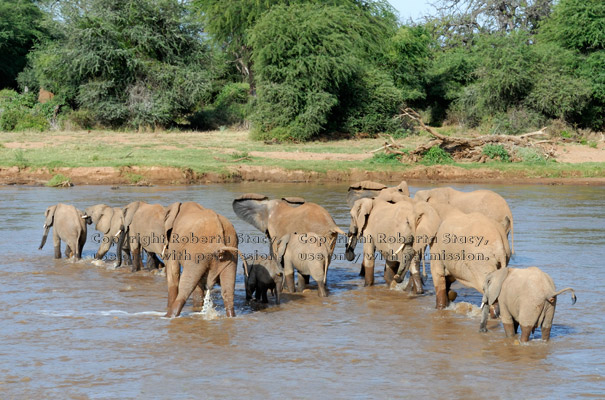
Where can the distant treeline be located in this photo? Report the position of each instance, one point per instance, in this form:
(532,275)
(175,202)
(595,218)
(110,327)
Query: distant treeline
(301,69)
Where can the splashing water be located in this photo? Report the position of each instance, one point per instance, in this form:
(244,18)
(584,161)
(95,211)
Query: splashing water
(208,311)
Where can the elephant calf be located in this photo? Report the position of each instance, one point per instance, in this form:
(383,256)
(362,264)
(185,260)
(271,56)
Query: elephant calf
(69,226)
(264,275)
(526,297)
(309,254)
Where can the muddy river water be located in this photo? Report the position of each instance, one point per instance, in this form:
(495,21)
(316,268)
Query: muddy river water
(83,330)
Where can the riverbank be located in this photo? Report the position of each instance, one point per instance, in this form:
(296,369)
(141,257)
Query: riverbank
(127,158)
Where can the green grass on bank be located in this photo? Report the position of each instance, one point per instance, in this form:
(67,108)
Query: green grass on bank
(218,152)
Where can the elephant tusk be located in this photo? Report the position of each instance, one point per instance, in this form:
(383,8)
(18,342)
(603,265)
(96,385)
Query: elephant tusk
(44,227)
(350,240)
(400,248)
(84,216)
(164,249)
(118,234)
(481,306)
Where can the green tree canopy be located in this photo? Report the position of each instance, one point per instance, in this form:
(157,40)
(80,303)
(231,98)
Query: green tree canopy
(139,62)
(20,28)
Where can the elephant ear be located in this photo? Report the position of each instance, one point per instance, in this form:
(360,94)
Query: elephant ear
(104,223)
(254,209)
(117,221)
(427,220)
(169,217)
(49,216)
(362,210)
(493,285)
(362,190)
(129,212)
(294,201)
(282,245)
(403,188)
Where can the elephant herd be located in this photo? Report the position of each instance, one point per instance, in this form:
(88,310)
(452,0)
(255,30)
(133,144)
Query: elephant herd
(465,233)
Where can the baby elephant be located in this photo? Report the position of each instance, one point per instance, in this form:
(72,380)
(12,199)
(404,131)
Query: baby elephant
(69,226)
(526,297)
(263,275)
(309,254)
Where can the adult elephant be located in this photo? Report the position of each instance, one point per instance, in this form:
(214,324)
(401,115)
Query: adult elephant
(277,218)
(483,201)
(398,230)
(467,248)
(204,244)
(69,225)
(144,229)
(110,222)
(370,189)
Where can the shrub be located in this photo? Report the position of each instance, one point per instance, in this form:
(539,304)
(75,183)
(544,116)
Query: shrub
(385,158)
(82,118)
(496,150)
(530,155)
(59,180)
(436,155)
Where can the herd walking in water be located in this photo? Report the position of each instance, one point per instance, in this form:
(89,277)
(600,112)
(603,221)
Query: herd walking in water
(464,234)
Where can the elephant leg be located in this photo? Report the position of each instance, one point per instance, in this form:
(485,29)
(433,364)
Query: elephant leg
(197,298)
(415,274)
(390,270)
(152,261)
(515,327)
(137,264)
(81,242)
(289,278)
(525,332)
(265,300)
(509,329)
(68,251)
(227,281)
(545,333)
(56,244)
(301,283)
(368,263)
(451,295)
(439,281)
(172,279)
(104,248)
(321,289)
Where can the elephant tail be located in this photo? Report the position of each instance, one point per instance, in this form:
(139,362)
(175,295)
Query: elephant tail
(326,263)
(46,228)
(552,297)
(512,236)
(239,253)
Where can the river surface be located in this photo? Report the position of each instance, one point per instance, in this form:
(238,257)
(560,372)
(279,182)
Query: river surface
(82,330)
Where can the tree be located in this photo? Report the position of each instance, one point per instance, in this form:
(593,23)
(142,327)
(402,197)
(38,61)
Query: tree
(136,62)
(305,56)
(20,28)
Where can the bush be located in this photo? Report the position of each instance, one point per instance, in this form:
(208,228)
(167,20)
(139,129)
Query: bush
(384,158)
(230,107)
(530,155)
(19,112)
(496,151)
(82,118)
(436,155)
(59,180)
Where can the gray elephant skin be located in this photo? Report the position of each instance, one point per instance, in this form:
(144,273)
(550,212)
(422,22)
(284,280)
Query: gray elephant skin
(144,229)
(526,297)
(264,275)
(69,226)
(309,254)
(110,222)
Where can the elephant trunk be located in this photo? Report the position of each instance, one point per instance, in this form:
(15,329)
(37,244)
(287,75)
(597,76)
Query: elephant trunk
(46,229)
(322,289)
(484,315)
(120,246)
(350,249)
(279,285)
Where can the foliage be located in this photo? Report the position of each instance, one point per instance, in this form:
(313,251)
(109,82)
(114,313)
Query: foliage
(385,158)
(436,155)
(136,62)
(20,29)
(230,107)
(59,180)
(530,155)
(21,112)
(496,151)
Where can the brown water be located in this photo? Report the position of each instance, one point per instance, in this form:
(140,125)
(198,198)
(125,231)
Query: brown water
(85,331)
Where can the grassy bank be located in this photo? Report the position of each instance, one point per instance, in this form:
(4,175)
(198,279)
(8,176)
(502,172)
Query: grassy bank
(219,152)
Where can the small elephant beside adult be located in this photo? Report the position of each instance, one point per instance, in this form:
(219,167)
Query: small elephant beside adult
(483,201)
(370,189)
(144,230)
(69,226)
(396,230)
(210,259)
(264,274)
(309,254)
(110,222)
(526,297)
(279,217)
